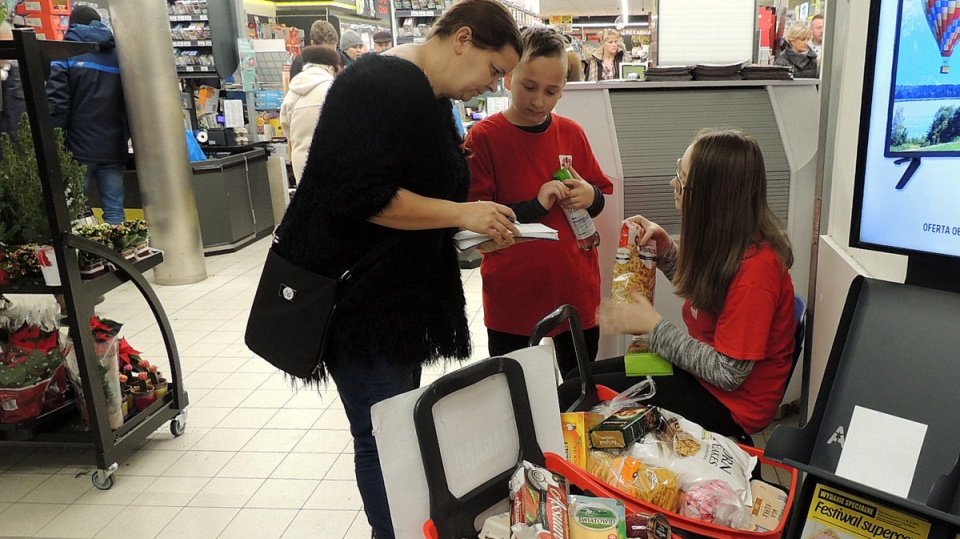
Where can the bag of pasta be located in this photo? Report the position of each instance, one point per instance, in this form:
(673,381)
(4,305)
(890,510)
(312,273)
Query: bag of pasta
(651,484)
(635,267)
(635,272)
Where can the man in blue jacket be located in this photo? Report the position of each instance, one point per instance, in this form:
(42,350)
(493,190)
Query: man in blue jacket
(86,100)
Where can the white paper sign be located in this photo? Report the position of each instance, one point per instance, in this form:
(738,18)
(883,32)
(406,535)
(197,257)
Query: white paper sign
(233,112)
(881,451)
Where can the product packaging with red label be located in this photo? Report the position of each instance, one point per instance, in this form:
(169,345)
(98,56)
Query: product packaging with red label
(539,502)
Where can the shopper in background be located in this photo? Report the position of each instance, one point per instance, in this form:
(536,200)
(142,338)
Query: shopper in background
(351,47)
(12,102)
(385,156)
(382,41)
(733,366)
(604,63)
(574,63)
(86,100)
(515,154)
(801,60)
(323,34)
(302,102)
(816,40)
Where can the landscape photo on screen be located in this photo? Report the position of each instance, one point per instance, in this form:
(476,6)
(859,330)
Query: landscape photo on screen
(924,115)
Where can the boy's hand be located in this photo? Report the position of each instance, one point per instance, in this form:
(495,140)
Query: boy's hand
(551,192)
(581,193)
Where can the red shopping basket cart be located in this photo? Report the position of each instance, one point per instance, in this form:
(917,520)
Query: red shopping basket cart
(453,517)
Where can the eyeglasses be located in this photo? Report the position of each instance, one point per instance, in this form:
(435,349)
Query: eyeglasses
(680,185)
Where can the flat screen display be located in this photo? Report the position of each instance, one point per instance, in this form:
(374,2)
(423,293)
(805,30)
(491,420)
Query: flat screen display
(907,190)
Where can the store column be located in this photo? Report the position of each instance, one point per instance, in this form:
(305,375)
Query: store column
(142,31)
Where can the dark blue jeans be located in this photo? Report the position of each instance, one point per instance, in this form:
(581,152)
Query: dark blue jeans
(361,386)
(109,178)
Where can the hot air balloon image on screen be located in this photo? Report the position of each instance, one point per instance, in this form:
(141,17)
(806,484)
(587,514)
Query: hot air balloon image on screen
(923,119)
(943,16)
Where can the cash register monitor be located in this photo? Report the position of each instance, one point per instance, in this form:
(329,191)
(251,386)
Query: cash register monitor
(633,71)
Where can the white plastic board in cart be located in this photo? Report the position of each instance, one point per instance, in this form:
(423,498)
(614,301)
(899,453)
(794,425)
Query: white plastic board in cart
(477,434)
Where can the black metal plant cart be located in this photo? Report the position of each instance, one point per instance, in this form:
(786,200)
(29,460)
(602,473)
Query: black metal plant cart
(64,425)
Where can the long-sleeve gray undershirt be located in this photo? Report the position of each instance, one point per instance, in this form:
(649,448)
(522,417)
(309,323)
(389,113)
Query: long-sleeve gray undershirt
(696,357)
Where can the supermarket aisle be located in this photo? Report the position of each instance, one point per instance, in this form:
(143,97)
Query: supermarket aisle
(257,459)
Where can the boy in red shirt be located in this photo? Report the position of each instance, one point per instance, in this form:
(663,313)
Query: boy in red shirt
(515,154)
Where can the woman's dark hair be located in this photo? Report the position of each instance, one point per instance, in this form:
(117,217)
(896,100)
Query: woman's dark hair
(540,41)
(492,26)
(725,213)
(317,54)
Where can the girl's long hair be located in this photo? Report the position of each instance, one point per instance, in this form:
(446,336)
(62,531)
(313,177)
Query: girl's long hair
(725,215)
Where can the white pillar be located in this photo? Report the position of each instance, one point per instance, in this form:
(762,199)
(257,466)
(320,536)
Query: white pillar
(150,85)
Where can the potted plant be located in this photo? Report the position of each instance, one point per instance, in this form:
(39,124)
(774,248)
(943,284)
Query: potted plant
(25,376)
(92,265)
(143,393)
(138,228)
(22,210)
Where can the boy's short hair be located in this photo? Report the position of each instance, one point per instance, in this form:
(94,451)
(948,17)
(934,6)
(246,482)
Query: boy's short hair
(323,33)
(542,41)
(316,54)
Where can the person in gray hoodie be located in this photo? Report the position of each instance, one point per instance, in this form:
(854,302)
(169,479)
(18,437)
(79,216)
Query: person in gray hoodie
(301,106)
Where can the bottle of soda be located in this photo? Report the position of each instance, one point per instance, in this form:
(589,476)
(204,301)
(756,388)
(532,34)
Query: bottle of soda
(580,221)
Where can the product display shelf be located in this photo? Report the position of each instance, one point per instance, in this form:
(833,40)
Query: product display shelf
(64,425)
(891,359)
(415,17)
(200,47)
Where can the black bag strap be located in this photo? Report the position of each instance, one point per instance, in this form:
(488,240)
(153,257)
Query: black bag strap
(376,252)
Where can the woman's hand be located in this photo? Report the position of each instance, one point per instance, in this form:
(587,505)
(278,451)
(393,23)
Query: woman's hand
(653,230)
(580,193)
(635,318)
(551,192)
(489,218)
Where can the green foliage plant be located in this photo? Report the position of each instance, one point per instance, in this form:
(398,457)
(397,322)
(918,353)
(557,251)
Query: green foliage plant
(23,216)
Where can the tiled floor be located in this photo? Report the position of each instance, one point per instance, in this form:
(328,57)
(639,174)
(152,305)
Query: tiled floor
(257,459)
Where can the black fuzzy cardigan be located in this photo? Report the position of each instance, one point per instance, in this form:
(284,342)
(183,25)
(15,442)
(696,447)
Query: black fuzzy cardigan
(382,129)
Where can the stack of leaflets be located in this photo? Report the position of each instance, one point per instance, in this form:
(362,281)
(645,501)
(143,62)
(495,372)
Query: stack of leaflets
(467,239)
(765,72)
(661,73)
(717,72)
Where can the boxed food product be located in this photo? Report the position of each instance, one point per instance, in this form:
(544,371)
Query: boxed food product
(539,499)
(768,505)
(624,427)
(576,435)
(597,518)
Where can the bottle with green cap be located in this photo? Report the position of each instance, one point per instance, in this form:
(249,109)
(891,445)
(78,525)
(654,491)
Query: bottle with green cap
(580,221)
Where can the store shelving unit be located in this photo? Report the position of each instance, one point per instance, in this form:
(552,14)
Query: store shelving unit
(414,17)
(183,48)
(64,425)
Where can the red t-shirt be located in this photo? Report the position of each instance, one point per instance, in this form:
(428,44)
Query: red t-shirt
(526,282)
(757,324)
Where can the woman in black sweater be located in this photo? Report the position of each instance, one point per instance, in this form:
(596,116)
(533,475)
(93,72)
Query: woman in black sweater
(386,155)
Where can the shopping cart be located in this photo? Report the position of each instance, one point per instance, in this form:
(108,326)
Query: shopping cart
(456,517)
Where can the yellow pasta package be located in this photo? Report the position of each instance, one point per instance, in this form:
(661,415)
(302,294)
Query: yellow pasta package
(635,271)
(635,268)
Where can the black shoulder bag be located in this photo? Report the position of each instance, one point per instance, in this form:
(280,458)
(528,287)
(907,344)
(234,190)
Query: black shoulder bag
(294,310)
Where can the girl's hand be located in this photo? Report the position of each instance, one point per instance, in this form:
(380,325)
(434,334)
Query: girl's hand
(489,218)
(653,230)
(581,193)
(635,318)
(551,192)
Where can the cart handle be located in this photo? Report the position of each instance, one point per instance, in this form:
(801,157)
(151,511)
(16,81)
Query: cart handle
(588,390)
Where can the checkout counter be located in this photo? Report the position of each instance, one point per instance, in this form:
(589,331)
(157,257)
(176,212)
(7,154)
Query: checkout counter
(233,194)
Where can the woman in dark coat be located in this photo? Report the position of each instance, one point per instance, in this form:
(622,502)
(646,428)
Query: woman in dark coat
(386,155)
